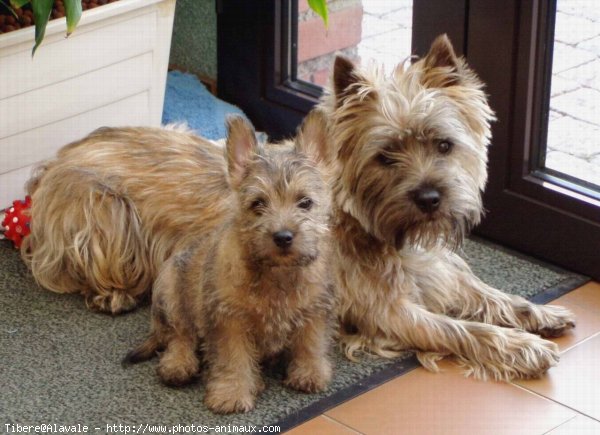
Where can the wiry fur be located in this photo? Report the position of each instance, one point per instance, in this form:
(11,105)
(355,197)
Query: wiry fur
(112,207)
(401,284)
(241,296)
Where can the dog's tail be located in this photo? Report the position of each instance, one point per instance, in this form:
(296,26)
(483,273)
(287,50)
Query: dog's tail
(145,351)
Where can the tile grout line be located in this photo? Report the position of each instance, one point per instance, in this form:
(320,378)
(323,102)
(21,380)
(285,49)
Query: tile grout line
(587,62)
(568,349)
(341,423)
(562,424)
(549,399)
(570,115)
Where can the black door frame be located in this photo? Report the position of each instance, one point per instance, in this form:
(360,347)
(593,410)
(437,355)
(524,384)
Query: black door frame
(254,64)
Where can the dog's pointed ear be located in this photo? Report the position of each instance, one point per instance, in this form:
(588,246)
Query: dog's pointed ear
(441,53)
(312,137)
(241,145)
(345,75)
(442,67)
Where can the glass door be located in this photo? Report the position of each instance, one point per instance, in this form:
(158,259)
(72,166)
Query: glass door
(572,149)
(543,196)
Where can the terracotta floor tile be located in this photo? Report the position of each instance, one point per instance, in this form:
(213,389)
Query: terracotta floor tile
(587,296)
(588,323)
(322,426)
(580,425)
(575,382)
(446,403)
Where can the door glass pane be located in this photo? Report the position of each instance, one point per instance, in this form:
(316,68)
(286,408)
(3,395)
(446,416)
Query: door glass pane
(573,145)
(362,30)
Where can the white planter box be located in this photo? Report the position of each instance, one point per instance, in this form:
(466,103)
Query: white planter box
(110,72)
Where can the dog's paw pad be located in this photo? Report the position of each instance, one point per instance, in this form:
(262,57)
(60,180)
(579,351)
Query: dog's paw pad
(556,331)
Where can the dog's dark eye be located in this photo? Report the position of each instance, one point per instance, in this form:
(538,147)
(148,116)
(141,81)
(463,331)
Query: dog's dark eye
(258,205)
(385,160)
(305,203)
(444,146)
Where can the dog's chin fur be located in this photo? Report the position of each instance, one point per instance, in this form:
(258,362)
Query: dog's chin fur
(446,230)
(425,126)
(283,260)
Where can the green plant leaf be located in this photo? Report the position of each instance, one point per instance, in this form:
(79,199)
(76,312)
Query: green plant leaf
(18,3)
(41,15)
(320,8)
(73,12)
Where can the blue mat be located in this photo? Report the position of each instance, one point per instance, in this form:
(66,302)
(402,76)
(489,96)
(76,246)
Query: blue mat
(187,100)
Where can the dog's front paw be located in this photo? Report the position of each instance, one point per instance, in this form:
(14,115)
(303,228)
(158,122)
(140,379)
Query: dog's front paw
(223,401)
(537,356)
(176,372)
(525,356)
(554,321)
(311,378)
(505,354)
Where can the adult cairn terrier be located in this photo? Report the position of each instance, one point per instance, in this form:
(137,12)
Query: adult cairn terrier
(253,287)
(409,162)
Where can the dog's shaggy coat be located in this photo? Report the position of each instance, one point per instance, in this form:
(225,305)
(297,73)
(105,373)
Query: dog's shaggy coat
(408,164)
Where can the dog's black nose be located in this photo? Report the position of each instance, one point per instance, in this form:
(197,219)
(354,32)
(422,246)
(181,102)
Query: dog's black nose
(283,239)
(427,199)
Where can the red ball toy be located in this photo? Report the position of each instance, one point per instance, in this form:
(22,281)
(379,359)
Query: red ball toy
(16,223)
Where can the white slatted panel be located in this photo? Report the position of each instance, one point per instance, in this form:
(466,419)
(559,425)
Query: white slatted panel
(81,53)
(110,72)
(41,143)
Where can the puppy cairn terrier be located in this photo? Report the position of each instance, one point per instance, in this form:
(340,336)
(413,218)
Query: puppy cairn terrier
(254,286)
(409,165)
